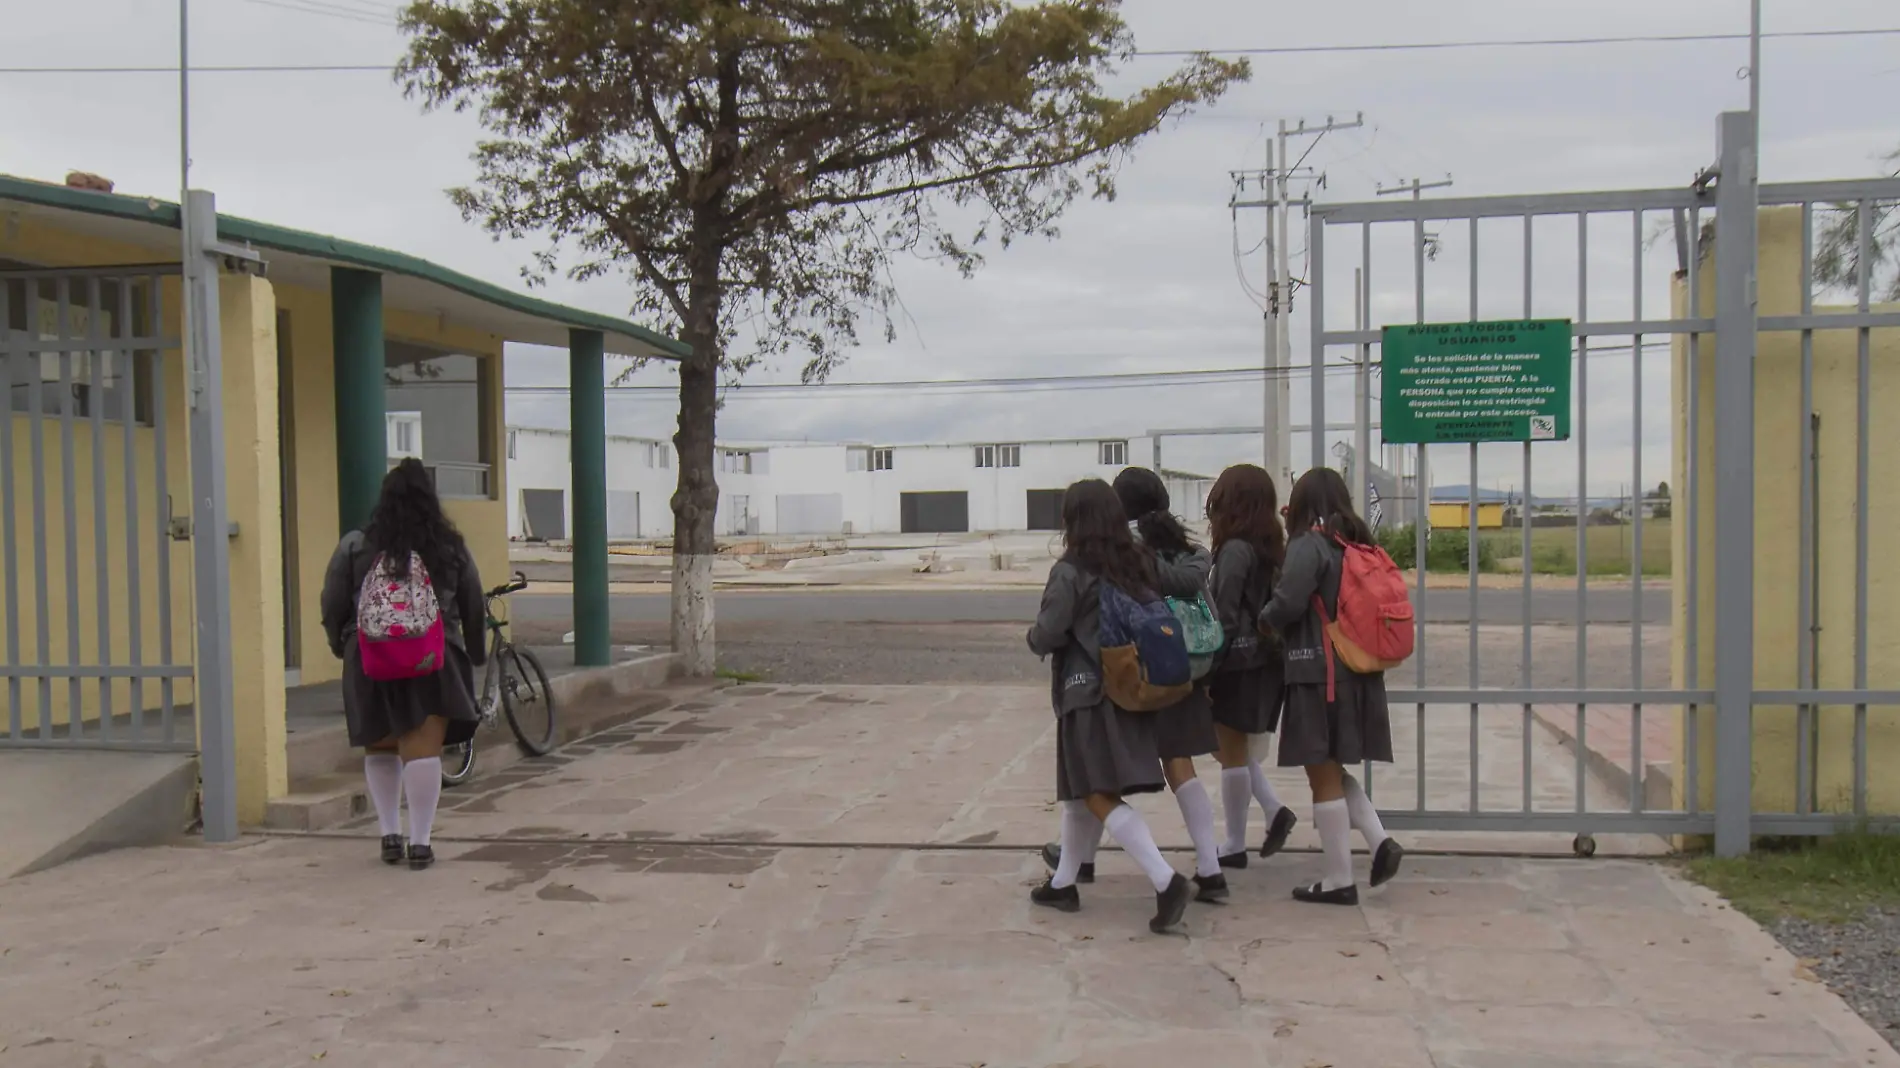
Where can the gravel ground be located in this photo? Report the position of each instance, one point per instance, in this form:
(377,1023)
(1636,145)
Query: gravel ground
(1860,961)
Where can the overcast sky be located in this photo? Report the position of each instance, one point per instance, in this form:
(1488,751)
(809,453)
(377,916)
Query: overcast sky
(1148,283)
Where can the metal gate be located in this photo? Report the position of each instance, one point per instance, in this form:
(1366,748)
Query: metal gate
(1528,731)
(97,654)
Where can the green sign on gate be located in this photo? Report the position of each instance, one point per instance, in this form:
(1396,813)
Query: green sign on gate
(1454,382)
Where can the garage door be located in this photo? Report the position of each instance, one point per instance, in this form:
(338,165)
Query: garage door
(934,513)
(623,515)
(810,513)
(1045,509)
(544,514)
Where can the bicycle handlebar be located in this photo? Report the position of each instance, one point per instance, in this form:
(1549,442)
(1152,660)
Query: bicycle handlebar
(520,583)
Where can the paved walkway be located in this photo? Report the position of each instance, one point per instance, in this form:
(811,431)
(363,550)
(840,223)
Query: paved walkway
(685,891)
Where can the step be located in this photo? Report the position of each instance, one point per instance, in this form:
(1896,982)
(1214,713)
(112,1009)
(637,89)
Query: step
(316,748)
(324,801)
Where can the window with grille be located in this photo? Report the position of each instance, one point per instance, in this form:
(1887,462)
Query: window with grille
(1115,453)
(882,460)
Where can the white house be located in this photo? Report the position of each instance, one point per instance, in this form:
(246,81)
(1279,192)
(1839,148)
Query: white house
(833,488)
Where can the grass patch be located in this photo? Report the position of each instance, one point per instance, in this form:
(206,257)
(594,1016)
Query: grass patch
(1831,879)
(735,675)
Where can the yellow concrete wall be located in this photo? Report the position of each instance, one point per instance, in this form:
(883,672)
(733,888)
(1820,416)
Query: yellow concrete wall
(1777,536)
(248,326)
(255,497)
(483,523)
(1458,516)
(99,567)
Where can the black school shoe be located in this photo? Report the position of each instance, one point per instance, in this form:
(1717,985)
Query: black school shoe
(1316,894)
(1283,823)
(1065,899)
(420,857)
(392,849)
(1385,862)
(1210,889)
(1171,905)
(1052,859)
(1236,861)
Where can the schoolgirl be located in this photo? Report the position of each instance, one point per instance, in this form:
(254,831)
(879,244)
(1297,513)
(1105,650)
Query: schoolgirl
(1103,753)
(1186,730)
(1321,735)
(1245,687)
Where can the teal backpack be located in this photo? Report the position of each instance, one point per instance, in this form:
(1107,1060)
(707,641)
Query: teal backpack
(1202,630)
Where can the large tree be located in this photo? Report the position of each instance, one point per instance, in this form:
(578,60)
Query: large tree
(754,166)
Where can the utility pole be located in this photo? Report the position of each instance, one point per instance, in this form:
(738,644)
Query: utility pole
(1275,181)
(1422,482)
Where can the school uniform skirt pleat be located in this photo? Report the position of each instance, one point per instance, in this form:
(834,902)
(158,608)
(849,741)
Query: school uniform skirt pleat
(1354,728)
(378,711)
(1247,701)
(1187,730)
(1102,749)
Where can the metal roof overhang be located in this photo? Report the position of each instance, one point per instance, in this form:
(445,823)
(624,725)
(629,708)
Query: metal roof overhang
(301,258)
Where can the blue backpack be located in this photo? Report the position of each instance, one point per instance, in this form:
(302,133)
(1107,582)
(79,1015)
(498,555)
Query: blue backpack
(1145,662)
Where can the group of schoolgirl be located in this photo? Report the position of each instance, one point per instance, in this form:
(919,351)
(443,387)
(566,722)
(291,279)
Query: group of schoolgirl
(1163,650)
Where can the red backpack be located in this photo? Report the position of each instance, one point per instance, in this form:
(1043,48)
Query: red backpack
(1374,630)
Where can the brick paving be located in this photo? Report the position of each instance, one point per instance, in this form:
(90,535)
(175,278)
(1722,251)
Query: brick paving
(810,877)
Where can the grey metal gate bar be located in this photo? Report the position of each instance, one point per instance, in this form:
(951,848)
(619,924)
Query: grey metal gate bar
(88,341)
(1735,694)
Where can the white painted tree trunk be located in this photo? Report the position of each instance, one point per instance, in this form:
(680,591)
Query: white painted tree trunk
(693,614)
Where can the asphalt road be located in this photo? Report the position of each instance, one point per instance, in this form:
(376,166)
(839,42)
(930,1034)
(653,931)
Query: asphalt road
(1019,606)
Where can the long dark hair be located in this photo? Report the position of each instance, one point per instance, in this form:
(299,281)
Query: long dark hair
(1244,505)
(1145,498)
(1095,535)
(408,518)
(1321,501)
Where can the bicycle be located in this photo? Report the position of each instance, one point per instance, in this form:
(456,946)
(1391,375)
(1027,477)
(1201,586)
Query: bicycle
(513,683)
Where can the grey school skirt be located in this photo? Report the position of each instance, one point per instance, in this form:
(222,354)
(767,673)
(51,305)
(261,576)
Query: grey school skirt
(1102,749)
(1247,701)
(1187,729)
(1352,729)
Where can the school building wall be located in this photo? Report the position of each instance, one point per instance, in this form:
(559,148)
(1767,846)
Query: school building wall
(267,593)
(1777,480)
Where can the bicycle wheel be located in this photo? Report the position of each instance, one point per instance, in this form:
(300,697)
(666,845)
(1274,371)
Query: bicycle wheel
(527,700)
(458,763)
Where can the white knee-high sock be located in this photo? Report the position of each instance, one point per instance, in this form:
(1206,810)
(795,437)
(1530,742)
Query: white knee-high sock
(1236,789)
(1365,818)
(383,771)
(1089,830)
(1080,833)
(422,781)
(1131,833)
(1263,792)
(1197,811)
(1335,835)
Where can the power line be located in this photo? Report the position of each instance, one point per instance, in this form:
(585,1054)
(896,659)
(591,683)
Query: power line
(1282,50)
(967,386)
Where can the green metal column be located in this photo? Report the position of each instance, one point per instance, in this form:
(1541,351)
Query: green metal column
(356,317)
(587,437)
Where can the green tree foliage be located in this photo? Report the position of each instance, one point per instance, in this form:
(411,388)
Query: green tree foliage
(753,167)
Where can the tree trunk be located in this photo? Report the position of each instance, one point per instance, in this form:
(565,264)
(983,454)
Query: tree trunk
(696,498)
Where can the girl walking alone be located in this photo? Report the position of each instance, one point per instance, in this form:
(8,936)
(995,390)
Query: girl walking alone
(402,723)
(1185,731)
(1246,686)
(1335,717)
(1103,753)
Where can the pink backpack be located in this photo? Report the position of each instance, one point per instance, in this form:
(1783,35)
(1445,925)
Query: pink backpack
(1374,630)
(398,623)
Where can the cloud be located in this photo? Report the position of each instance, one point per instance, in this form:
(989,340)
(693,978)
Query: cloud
(1149,282)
